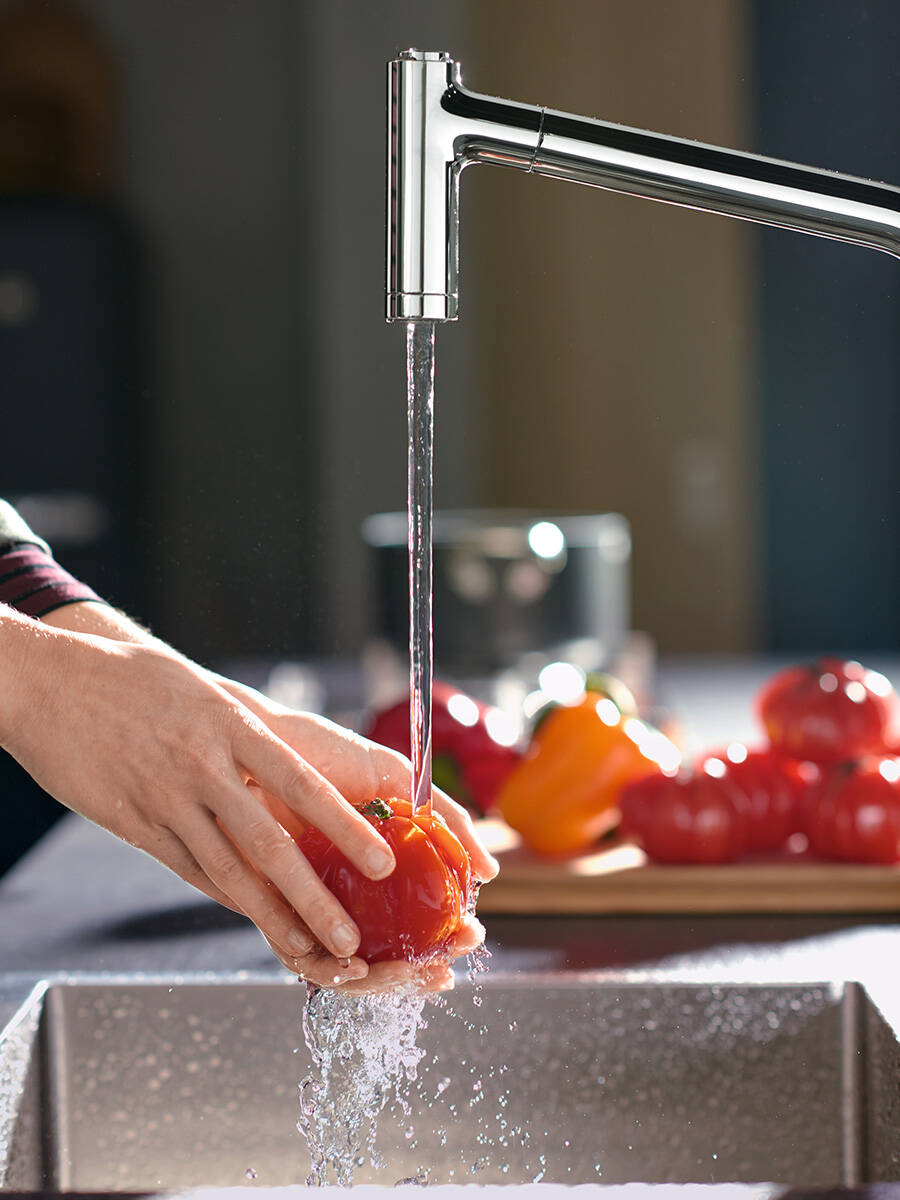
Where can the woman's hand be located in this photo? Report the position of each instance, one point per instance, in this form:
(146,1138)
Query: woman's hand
(153,749)
(435,976)
(363,770)
(175,813)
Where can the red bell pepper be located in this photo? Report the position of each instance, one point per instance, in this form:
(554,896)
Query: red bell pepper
(467,760)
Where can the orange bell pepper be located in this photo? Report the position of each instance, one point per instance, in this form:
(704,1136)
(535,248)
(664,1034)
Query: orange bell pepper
(563,795)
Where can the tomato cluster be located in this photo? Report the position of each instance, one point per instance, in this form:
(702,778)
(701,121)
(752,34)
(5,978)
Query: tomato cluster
(829,771)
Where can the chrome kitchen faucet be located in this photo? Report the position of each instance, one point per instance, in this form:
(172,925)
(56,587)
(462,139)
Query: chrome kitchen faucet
(436,128)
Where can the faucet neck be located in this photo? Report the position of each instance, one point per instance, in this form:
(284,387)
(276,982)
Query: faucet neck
(437,128)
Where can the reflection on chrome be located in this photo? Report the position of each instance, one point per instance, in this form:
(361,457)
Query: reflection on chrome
(436,128)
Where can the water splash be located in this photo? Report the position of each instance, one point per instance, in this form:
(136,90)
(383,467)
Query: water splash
(365,1057)
(479,960)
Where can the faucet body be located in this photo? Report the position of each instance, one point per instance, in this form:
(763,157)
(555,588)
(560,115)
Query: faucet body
(437,128)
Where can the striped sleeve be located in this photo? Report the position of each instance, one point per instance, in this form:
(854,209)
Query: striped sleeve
(32,582)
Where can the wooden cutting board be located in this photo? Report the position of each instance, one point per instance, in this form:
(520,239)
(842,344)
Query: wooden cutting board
(621,880)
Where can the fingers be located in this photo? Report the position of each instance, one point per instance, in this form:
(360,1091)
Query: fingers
(363,770)
(280,771)
(276,856)
(392,771)
(352,976)
(484,865)
(321,968)
(171,851)
(435,976)
(231,875)
(469,937)
(395,976)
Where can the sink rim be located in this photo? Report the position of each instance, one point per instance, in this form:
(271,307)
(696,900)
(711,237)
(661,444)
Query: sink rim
(21,993)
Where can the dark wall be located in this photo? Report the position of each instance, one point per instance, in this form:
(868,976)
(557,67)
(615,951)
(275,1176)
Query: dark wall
(829,94)
(253,163)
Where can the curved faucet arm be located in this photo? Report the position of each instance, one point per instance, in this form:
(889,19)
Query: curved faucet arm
(437,128)
(695,175)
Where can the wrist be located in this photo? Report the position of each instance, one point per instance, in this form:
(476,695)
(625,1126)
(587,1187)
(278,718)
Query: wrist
(21,659)
(98,619)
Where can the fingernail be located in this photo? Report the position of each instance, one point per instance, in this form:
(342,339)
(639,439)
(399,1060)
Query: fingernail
(344,938)
(380,862)
(358,970)
(300,943)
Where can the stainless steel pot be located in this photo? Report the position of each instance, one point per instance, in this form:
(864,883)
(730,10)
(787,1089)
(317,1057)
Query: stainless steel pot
(507,583)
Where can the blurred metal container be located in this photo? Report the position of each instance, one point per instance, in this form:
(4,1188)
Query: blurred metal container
(508,583)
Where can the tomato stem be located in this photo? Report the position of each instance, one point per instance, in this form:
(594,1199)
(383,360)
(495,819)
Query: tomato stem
(377,808)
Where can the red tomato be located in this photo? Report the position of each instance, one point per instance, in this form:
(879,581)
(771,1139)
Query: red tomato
(854,813)
(637,803)
(414,913)
(800,776)
(685,819)
(769,785)
(829,711)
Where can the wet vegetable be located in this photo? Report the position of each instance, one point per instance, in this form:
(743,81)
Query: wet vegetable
(414,913)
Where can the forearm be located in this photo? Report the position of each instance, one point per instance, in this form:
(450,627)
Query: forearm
(35,663)
(104,621)
(17,635)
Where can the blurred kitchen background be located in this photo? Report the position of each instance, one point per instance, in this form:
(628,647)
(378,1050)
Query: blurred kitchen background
(203,402)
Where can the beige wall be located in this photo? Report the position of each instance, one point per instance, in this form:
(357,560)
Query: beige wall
(615,336)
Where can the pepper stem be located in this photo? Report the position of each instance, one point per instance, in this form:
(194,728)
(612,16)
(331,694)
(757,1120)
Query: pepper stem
(377,808)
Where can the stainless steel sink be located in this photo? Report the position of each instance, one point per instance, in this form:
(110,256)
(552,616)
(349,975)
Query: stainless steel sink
(114,1086)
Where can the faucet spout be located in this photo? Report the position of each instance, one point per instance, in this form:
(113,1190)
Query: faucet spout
(437,128)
